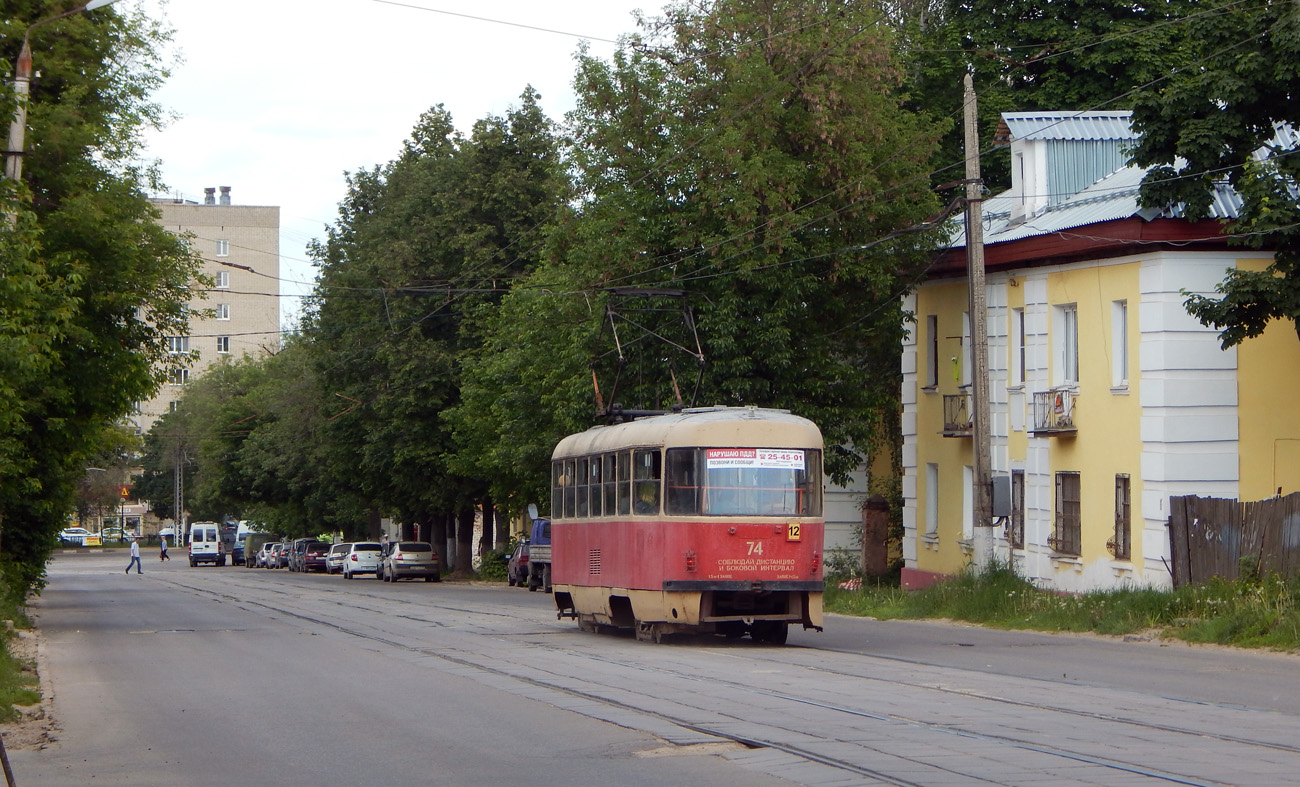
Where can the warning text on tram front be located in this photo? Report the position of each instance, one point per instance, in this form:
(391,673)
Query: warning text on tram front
(779,458)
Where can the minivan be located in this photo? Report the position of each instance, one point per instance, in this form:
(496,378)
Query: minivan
(206,545)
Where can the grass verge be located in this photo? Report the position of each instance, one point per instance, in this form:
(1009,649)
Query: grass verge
(19,683)
(1253,612)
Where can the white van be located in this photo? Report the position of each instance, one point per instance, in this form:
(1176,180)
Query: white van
(206,545)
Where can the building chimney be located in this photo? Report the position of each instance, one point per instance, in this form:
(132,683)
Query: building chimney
(209,196)
(225,195)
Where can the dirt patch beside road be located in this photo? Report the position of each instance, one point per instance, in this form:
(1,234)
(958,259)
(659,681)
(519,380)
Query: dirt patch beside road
(37,728)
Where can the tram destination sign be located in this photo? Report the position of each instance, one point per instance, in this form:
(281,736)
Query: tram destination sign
(781,458)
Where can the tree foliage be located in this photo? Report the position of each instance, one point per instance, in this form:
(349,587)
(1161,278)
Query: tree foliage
(1207,124)
(91,283)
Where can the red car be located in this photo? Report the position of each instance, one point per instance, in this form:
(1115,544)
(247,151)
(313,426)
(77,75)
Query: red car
(313,556)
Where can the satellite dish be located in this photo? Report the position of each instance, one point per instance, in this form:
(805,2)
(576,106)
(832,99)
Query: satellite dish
(532,510)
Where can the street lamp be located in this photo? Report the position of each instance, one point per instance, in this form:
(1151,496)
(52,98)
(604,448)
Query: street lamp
(23,86)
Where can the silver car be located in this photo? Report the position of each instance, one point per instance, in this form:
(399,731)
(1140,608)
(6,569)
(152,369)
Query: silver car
(334,559)
(362,558)
(410,559)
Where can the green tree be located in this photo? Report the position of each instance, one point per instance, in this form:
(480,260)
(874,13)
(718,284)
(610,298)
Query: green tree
(759,155)
(92,284)
(1205,125)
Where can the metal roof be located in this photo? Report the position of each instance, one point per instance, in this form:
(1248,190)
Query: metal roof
(1076,126)
(1112,197)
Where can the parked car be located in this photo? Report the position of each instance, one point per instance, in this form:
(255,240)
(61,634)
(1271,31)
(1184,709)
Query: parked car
(517,566)
(363,558)
(408,559)
(255,548)
(264,556)
(278,556)
(74,535)
(295,553)
(237,553)
(337,554)
(313,556)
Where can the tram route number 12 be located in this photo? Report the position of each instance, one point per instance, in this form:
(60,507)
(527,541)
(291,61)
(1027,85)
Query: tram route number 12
(792,531)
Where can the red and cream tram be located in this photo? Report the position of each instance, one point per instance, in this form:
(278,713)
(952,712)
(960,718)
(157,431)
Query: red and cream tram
(703,520)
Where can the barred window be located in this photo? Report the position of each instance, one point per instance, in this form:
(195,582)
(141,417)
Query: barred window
(1121,544)
(1067,533)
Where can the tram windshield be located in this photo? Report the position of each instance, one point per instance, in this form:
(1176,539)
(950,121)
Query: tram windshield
(743,482)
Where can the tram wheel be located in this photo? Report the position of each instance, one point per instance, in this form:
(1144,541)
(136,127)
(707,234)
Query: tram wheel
(773,632)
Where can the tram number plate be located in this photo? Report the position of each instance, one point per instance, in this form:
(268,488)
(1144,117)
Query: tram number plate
(793,531)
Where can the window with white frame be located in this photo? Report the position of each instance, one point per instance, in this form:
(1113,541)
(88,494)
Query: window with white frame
(178,344)
(1065,343)
(223,344)
(931,499)
(932,351)
(180,376)
(1017,347)
(223,248)
(223,280)
(964,372)
(967,503)
(1119,344)
(223,311)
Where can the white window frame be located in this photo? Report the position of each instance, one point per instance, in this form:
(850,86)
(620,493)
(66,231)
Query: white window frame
(932,499)
(1065,343)
(223,280)
(179,377)
(223,311)
(1018,349)
(223,345)
(1119,345)
(178,344)
(223,248)
(964,372)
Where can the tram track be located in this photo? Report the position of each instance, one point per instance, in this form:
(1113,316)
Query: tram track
(557,667)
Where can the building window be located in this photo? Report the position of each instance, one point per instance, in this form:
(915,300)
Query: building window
(223,248)
(178,344)
(1121,545)
(223,344)
(1016,527)
(932,349)
(223,280)
(967,503)
(223,311)
(180,376)
(1017,347)
(931,499)
(963,372)
(1119,344)
(1066,344)
(1068,530)
(173,405)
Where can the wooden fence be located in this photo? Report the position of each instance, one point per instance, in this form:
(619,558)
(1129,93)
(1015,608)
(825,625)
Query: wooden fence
(1209,537)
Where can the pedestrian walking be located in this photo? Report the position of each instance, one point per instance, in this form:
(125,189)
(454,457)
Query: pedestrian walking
(163,554)
(135,557)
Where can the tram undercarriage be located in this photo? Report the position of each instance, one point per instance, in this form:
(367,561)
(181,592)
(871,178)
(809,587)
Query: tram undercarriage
(765,615)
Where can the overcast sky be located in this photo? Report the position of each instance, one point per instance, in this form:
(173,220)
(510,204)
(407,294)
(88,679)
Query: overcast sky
(278,98)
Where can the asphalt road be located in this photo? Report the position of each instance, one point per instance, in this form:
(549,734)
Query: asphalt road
(228,676)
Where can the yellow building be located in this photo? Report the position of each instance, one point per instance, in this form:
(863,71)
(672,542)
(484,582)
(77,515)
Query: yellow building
(1106,397)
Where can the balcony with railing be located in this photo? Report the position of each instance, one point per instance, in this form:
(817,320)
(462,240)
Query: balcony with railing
(958,421)
(1054,413)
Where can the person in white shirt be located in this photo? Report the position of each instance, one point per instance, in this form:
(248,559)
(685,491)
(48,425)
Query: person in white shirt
(135,557)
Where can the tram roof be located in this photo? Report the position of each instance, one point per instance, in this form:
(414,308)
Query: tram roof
(751,427)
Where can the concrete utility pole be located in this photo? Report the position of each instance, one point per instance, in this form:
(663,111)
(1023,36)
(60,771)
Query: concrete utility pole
(22,90)
(979,394)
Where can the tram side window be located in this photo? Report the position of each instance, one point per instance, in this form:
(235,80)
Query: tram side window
(570,482)
(581,476)
(610,484)
(624,483)
(557,489)
(645,481)
(596,492)
(681,489)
